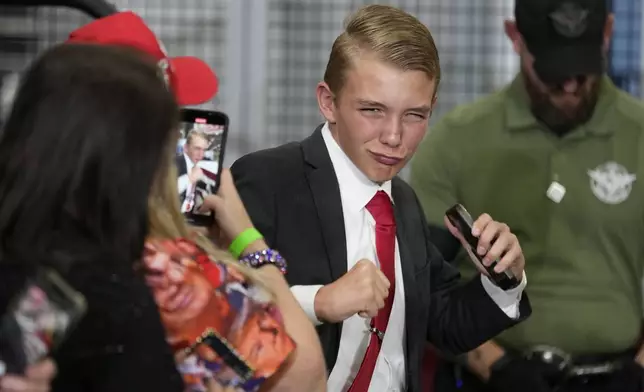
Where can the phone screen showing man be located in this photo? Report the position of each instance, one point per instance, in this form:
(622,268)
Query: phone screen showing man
(37,320)
(199,160)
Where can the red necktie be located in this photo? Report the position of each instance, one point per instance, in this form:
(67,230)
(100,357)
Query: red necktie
(383,212)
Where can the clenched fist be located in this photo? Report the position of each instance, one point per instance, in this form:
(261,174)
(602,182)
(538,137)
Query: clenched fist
(362,291)
(195,174)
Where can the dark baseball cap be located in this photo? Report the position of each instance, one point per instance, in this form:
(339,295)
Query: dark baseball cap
(564,36)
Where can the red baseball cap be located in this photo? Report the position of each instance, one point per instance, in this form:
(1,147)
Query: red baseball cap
(191,79)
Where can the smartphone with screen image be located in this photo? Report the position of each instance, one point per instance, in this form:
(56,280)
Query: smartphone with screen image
(462,220)
(37,320)
(200,158)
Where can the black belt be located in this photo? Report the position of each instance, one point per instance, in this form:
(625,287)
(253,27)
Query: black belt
(558,366)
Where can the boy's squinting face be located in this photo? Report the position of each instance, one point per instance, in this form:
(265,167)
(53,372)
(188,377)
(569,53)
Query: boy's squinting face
(380,115)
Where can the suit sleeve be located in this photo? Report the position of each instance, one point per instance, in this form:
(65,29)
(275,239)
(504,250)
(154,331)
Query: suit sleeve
(257,193)
(434,174)
(463,316)
(254,187)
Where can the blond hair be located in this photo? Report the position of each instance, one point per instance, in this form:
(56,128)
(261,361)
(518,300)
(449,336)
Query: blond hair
(389,33)
(167,222)
(196,133)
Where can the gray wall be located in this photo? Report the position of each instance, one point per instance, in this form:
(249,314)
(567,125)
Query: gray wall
(271,53)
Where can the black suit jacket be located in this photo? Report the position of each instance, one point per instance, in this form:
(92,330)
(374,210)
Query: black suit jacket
(293,197)
(182,168)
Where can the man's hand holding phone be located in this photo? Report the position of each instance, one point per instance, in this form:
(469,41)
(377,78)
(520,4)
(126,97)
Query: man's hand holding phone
(495,242)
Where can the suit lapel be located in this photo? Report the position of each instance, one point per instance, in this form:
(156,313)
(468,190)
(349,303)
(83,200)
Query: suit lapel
(405,248)
(182,167)
(326,197)
(406,261)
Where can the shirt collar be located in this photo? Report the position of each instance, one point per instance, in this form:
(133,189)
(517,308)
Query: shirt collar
(519,116)
(356,190)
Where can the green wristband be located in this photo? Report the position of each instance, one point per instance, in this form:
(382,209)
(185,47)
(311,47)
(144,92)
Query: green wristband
(242,241)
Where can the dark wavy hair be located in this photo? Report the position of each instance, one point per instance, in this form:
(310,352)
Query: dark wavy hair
(78,155)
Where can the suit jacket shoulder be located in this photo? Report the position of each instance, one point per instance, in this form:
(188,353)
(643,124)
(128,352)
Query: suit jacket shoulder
(261,176)
(272,166)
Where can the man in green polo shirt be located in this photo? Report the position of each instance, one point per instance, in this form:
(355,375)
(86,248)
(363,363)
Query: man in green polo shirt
(559,155)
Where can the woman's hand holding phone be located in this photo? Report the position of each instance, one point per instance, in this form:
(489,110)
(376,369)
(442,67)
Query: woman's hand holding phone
(231,217)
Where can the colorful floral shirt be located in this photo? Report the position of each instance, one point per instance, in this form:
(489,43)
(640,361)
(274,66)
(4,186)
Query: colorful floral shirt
(221,326)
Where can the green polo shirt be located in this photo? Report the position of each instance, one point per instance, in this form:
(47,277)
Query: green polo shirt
(584,253)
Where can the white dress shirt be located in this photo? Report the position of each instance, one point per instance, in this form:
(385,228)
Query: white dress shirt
(184,181)
(356,190)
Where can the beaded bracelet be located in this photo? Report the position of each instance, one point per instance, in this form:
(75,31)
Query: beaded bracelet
(264,257)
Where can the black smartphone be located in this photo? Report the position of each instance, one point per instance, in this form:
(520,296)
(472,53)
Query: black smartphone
(200,159)
(462,220)
(38,319)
